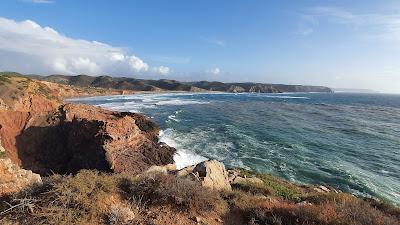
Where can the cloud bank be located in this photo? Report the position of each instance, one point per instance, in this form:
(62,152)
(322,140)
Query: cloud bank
(27,47)
(162,70)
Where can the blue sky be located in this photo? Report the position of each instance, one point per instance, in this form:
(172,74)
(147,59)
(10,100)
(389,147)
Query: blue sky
(347,44)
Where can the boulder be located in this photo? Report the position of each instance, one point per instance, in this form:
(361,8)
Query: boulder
(161,169)
(13,178)
(213,175)
(321,189)
(185,171)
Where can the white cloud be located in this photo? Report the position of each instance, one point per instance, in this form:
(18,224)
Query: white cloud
(27,47)
(40,1)
(214,71)
(162,70)
(382,25)
(213,41)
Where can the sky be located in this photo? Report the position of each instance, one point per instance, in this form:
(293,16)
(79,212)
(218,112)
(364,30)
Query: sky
(339,44)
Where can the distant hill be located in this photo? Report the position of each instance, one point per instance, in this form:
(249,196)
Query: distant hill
(173,85)
(124,83)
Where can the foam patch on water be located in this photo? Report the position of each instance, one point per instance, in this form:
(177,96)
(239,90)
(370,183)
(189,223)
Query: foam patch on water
(179,102)
(285,97)
(138,102)
(182,157)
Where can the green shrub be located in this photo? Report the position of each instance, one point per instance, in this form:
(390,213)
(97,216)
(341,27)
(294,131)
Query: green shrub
(273,186)
(4,80)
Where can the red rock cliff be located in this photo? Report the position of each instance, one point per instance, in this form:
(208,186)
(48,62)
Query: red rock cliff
(41,134)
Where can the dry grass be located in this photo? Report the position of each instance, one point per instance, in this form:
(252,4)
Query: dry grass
(342,210)
(90,197)
(182,194)
(65,199)
(121,214)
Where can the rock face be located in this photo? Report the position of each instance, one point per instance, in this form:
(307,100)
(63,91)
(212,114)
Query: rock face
(13,178)
(235,89)
(211,174)
(41,134)
(86,137)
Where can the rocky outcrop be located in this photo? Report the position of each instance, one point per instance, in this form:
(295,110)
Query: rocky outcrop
(13,178)
(235,178)
(235,89)
(211,173)
(39,133)
(86,137)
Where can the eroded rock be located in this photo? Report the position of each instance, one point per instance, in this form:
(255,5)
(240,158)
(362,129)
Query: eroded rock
(80,136)
(212,174)
(161,169)
(13,178)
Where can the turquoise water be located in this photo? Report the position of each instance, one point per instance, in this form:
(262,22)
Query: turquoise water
(348,141)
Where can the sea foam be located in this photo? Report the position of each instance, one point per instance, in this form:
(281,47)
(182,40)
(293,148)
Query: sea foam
(182,157)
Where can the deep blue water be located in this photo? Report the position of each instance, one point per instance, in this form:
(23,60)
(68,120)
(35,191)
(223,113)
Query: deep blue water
(348,141)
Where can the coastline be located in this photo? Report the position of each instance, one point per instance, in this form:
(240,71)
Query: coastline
(165,111)
(124,156)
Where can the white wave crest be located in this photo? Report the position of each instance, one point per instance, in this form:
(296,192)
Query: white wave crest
(182,157)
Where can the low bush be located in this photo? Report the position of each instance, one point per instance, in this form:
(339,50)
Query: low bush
(182,194)
(350,212)
(64,199)
(273,185)
(119,214)
(4,80)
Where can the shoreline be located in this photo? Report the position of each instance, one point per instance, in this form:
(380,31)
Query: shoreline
(99,161)
(197,158)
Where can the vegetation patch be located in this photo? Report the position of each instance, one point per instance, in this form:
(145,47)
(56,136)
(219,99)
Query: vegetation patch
(354,212)
(91,197)
(63,200)
(182,194)
(272,185)
(4,80)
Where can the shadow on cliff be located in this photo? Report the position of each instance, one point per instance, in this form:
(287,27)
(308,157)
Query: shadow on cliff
(63,148)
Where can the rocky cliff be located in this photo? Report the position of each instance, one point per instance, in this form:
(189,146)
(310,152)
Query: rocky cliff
(40,133)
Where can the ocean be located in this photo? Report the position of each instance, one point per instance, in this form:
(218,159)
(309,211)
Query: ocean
(347,141)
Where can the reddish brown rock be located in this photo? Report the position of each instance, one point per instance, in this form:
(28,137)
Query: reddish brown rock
(86,137)
(40,134)
(13,178)
(211,173)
